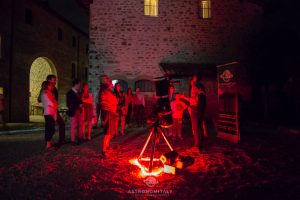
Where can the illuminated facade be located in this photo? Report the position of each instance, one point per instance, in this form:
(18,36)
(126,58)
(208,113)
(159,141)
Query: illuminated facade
(185,36)
(35,41)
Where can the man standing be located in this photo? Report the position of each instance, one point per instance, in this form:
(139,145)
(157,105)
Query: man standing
(51,78)
(74,105)
(108,103)
(197,109)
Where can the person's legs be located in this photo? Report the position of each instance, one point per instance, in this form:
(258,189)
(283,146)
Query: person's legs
(73,124)
(116,131)
(128,117)
(109,127)
(142,113)
(89,130)
(201,130)
(83,129)
(178,128)
(62,128)
(105,117)
(123,124)
(97,115)
(174,128)
(79,125)
(49,129)
(195,126)
(135,114)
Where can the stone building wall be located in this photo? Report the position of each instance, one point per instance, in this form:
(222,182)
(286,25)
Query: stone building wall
(39,39)
(126,44)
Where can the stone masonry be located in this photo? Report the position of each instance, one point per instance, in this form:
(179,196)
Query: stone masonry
(23,43)
(127,45)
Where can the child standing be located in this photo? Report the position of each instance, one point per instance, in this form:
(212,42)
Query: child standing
(177,107)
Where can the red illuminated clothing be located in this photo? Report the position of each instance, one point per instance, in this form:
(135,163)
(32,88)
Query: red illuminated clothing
(88,106)
(178,107)
(108,101)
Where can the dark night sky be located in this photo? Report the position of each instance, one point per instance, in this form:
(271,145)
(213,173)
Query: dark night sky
(72,11)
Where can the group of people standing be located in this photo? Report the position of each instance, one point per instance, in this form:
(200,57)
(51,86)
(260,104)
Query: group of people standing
(118,107)
(115,108)
(80,110)
(196,104)
(49,97)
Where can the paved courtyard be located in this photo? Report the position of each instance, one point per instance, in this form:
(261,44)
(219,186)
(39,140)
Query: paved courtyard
(264,165)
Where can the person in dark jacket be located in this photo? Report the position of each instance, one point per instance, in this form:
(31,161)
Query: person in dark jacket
(74,105)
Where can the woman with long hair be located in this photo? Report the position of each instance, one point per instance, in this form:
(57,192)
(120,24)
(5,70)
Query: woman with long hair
(121,109)
(128,106)
(50,112)
(88,111)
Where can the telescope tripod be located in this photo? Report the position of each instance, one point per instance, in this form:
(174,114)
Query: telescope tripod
(154,133)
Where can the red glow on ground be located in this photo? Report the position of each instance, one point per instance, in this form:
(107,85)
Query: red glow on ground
(156,171)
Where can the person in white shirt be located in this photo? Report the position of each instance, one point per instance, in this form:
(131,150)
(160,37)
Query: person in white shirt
(50,112)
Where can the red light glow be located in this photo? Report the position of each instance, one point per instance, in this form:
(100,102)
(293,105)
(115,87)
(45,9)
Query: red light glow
(144,170)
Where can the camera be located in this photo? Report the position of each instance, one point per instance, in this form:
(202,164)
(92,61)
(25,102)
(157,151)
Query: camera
(163,110)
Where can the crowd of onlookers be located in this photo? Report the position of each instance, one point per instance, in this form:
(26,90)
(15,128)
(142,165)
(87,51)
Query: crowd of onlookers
(115,110)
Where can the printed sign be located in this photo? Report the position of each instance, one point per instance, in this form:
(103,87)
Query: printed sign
(228,112)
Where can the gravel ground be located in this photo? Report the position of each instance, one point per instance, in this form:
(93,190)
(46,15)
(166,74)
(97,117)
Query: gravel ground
(264,165)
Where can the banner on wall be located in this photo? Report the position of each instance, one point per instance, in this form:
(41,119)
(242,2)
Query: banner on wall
(228,109)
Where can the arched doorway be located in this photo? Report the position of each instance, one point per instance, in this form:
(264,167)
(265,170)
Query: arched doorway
(123,83)
(40,68)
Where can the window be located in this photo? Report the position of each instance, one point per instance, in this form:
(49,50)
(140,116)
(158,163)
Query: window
(124,84)
(205,9)
(74,41)
(59,34)
(145,85)
(151,8)
(74,71)
(28,16)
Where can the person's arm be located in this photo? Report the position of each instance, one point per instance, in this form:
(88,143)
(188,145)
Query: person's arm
(183,105)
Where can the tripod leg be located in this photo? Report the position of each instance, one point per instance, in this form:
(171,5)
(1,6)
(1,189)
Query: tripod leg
(162,133)
(146,144)
(153,149)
